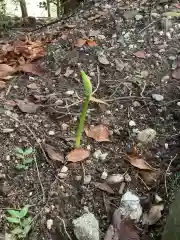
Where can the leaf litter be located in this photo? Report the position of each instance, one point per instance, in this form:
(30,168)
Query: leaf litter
(54,155)
(78,155)
(99,133)
(154,215)
(104,187)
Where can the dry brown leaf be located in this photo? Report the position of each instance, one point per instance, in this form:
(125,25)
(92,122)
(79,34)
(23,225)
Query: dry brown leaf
(93,99)
(100,133)
(91,43)
(2,85)
(140,54)
(80,42)
(176,73)
(78,155)
(104,187)
(6,70)
(150,177)
(26,106)
(139,162)
(54,154)
(154,214)
(32,68)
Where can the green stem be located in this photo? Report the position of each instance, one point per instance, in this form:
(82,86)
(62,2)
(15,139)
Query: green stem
(81,121)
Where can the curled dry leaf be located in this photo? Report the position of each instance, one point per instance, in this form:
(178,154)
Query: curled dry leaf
(80,42)
(140,54)
(100,133)
(54,154)
(32,68)
(91,43)
(139,162)
(104,187)
(150,177)
(78,155)
(26,106)
(6,70)
(93,99)
(154,214)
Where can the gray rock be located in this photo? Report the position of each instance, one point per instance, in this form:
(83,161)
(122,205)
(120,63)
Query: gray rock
(158,97)
(115,178)
(103,59)
(86,227)
(147,135)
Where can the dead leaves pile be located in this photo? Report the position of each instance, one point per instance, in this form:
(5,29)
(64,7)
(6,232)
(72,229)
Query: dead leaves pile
(17,56)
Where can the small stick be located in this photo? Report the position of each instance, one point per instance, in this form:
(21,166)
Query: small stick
(150,24)
(165,181)
(124,98)
(64,225)
(144,183)
(98,78)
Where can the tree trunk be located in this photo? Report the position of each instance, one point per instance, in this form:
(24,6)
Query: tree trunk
(23,8)
(48,8)
(58,8)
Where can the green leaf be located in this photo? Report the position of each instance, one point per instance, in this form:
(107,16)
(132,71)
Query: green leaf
(87,84)
(28,160)
(171,14)
(19,156)
(17,230)
(27,229)
(14,213)
(20,166)
(28,151)
(13,220)
(26,221)
(23,212)
(19,150)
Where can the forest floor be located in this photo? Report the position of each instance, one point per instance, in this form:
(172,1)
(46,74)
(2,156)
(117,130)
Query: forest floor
(133,64)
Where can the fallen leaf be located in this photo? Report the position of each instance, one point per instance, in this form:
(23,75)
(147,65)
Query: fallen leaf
(104,187)
(153,215)
(171,14)
(139,162)
(6,70)
(100,133)
(93,99)
(2,85)
(176,73)
(80,42)
(54,154)
(177,5)
(26,106)
(150,177)
(91,43)
(68,72)
(140,54)
(32,68)
(78,155)
(103,59)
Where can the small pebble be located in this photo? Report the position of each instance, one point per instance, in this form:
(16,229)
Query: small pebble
(178,103)
(49,224)
(62,175)
(69,92)
(136,104)
(87,179)
(64,169)
(103,156)
(164,79)
(127,177)
(7,130)
(166,146)
(59,102)
(115,178)
(108,112)
(51,133)
(64,126)
(132,123)
(97,154)
(121,189)
(158,97)
(8,158)
(138,17)
(2,175)
(78,178)
(157,198)
(104,175)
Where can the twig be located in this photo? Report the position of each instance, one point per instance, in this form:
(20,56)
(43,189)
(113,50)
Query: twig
(150,24)
(144,183)
(64,225)
(98,78)
(124,98)
(165,181)
(143,89)
(33,134)
(84,173)
(56,104)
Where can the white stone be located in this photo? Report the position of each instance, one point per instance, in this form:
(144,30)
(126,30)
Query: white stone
(158,198)
(49,224)
(103,156)
(87,179)
(147,135)
(158,97)
(64,126)
(164,79)
(8,158)
(132,123)
(69,92)
(104,175)
(136,104)
(166,146)
(78,178)
(178,103)
(97,154)
(138,17)
(64,169)
(62,175)
(86,227)
(51,133)
(115,178)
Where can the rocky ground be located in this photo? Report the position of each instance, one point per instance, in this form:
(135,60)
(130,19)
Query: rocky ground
(133,63)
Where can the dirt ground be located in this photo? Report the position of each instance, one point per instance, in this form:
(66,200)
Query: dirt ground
(121,29)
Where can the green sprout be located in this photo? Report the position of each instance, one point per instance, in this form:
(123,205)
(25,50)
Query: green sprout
(19,222)
(26,156)
(87,96)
